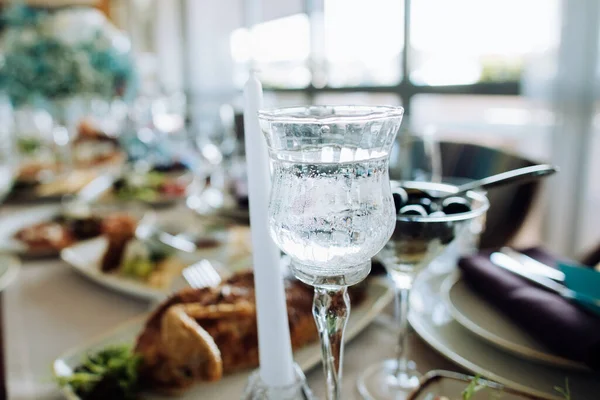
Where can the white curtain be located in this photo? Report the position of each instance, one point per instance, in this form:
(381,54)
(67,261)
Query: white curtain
(572,218)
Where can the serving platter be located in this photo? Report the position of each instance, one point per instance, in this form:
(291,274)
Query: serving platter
(379,295)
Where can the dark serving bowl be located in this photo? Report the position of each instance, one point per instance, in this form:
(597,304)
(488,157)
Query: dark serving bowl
(509,205)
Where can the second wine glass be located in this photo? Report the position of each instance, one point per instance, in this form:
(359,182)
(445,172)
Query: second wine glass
(416,241)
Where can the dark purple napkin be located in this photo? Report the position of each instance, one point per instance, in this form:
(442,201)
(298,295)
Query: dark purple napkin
(561,326)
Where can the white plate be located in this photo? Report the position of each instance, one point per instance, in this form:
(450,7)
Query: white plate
(12,223)
(432,320)
(379,295)
(86,256)
(481,318)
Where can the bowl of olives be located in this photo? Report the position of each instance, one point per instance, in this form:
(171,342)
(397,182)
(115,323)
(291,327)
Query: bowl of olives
(429,218)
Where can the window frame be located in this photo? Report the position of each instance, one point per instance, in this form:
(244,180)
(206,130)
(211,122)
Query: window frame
(405,89)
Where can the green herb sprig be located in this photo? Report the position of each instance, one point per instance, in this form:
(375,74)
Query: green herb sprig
(566,391)
(474,386)
(110,373)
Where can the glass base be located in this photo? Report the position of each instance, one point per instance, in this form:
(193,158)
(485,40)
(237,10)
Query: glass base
(257,389)
(380,382)
(316,276)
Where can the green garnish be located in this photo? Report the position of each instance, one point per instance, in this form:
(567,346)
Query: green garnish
(146,190)
(112,373)
(137,193)
(138,267)
(28,145)
(159,253)
(474,387)
(566,391)
(155,179)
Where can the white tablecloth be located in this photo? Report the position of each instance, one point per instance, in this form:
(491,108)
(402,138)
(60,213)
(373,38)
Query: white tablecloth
(50,309)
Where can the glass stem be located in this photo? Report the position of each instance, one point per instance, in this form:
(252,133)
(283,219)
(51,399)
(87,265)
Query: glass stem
(331,308)
(403,284)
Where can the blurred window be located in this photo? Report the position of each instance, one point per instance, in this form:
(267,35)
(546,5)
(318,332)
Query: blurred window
(367,98)
(513,123)
(279,49)
(463,42)
(364,41)
(467,65)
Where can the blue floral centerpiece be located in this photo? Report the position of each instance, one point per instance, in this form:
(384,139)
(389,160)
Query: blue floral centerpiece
(54,54)
(55,63)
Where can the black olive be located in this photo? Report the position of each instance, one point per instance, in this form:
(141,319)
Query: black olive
(415,194)
(427,204)
(456,205)
(400,198)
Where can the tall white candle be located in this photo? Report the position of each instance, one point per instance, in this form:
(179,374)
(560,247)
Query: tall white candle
(275,349)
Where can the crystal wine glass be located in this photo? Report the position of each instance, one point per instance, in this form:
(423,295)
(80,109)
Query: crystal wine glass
(416,241)
(416,157)
(331,207)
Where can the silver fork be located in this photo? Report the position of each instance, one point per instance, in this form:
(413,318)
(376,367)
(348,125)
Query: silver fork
(202,274)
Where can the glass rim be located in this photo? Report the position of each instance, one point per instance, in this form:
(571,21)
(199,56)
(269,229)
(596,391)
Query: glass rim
(342,113)
(474,213)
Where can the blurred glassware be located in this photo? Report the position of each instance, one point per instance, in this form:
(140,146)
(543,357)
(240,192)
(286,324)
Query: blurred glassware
(417,157)
(169,112)
(216,138)
(41,145)
(105,116)
(216,132)
(8,156)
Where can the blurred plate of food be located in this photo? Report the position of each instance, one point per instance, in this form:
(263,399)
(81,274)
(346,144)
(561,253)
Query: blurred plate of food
(51,190)
(44,231)
(201,343)
(157,185)
(149,269)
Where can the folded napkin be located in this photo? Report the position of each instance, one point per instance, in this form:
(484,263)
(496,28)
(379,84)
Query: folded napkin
(560,325)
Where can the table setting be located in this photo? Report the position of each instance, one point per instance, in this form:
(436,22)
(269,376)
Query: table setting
(304,252)
(469,311)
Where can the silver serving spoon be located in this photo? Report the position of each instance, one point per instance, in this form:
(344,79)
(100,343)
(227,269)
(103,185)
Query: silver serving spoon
(516,175)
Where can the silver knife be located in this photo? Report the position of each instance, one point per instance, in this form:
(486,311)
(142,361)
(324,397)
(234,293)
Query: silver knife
(533,265)
(509,264)
(147,230)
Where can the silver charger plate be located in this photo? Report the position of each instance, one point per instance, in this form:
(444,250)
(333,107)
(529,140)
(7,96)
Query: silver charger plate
(481,318)
(433,322)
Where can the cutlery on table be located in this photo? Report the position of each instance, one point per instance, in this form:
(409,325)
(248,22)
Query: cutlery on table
(519,175)
(517,268)
(534,266)
(202,274)
(147,230)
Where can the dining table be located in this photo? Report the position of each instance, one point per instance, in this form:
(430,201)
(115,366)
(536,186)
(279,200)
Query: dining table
(50,308)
